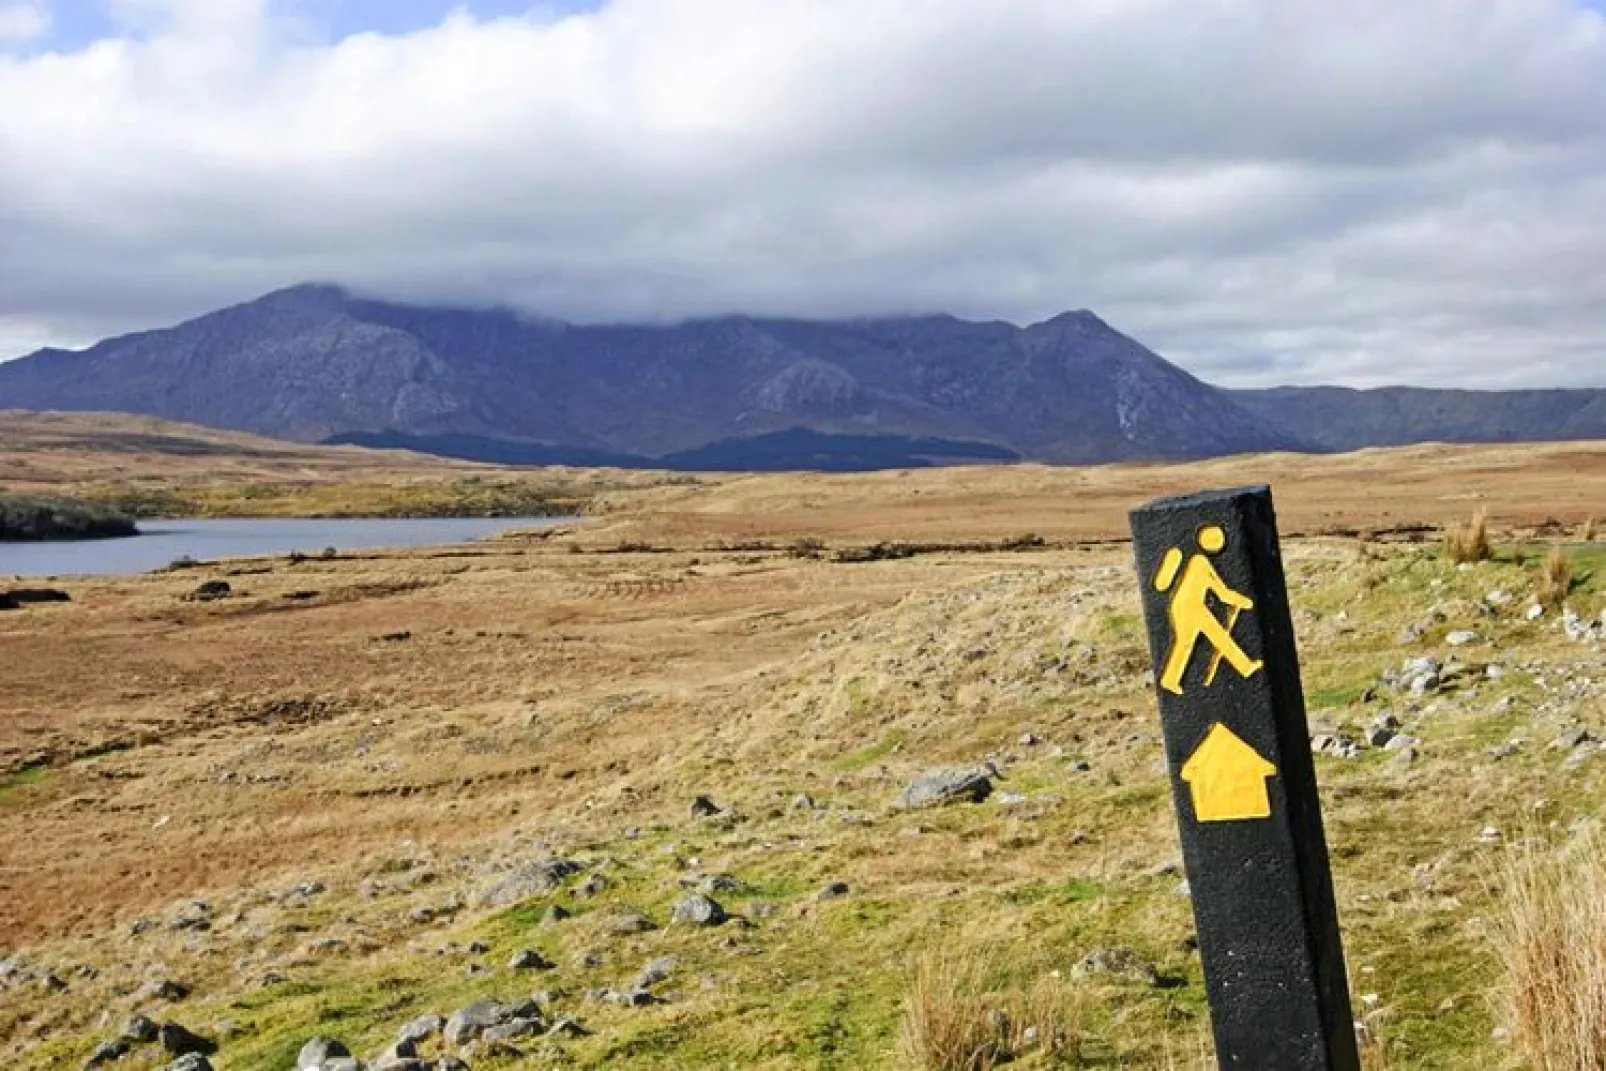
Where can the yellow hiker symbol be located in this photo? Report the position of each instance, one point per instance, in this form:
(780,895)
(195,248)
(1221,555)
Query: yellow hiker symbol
(1227,778)
(1192,619)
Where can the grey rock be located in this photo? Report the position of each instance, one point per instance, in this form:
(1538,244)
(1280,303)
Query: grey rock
(804,802)
(631,998)
(704,807)
(161,989)
(319,1051)
(1400,743)
(107,1052)
(709,884)
(195,915)
(470,1022)
(835,890)
(530,880)
(1461,637)
(210,591)
(594,885)
(554,913)
(141,1029)
(1377,736)
(698,910)
(565,1027)
(513,1029)
(936,787)
(179,1041)
(1119,965)
(1572,738)
(193,1061)
(420,1029)
(528,959)
(656,971)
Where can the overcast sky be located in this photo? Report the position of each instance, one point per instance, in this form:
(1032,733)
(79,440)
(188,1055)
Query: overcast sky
(1265,191)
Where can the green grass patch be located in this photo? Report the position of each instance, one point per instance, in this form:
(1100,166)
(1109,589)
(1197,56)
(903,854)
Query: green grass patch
(892,740)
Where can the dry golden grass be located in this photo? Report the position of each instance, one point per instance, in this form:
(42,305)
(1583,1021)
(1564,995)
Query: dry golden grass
(958,1016)
(1552,939)
(478,706)
(1464,544)
(1555,579)
(1586,531)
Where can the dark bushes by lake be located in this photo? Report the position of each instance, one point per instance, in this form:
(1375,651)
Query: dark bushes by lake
(26,518)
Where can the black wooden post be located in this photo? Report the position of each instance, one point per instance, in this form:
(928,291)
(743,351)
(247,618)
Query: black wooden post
(1238,749)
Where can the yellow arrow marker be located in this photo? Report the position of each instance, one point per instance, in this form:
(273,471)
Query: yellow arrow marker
(1227,778)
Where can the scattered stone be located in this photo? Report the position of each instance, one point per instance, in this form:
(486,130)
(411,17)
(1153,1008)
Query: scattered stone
(698,910)
(635,997)
(1571,739)
(1119,965)
(1461,637)
(657,971)
(554,913)
(594,885)
(193,1061)
(469,1023)
(478,948)
(1400,743)
(835,890)
(181,1042)
(709,884)
(513,1029)
(161,989)
(1010,799)
(210,591)
(804,802)
(529,959)
(566,1027)
(420,1029)
(141,1029)
(1030,739)
(319,1051)
(107,1052)
(1378,736)
(195,915)
(949,786)
(1489,835)
(530,880)
(1334,744)
(1535,612)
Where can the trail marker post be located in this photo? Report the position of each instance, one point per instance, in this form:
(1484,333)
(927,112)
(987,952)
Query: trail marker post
(1243,781)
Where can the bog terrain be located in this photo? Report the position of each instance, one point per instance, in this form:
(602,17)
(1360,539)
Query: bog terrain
(645,774)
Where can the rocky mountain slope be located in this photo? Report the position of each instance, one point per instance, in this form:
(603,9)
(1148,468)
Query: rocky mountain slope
(312,363)
(315,363)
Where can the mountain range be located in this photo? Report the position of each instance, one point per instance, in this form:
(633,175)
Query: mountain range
(315,363)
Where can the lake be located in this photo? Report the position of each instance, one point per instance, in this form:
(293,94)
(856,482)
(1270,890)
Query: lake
(160,542)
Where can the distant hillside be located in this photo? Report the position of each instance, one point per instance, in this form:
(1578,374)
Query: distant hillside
(314,363)
(1335,418)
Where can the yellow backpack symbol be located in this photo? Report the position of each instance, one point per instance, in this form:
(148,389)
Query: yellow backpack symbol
(1192,619)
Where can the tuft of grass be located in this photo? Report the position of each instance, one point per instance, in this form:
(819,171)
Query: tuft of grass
(1551,936)
(957,1019)
(1469,542)
(1586,531)
(1555,579)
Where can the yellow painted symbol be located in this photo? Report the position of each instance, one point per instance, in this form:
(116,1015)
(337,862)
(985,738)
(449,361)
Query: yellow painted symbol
(1192,618)
(1227,778)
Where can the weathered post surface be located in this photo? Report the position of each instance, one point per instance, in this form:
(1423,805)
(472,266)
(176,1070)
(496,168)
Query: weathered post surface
(1243,781)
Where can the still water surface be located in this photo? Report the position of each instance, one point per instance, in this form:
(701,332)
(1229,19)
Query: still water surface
(204,540)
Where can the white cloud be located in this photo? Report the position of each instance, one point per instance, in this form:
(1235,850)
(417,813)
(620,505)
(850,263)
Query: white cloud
(23,22)
(1266,190)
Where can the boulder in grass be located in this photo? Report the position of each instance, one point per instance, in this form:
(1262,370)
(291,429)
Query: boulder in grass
(936,787)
